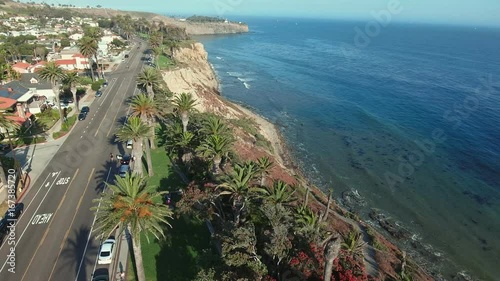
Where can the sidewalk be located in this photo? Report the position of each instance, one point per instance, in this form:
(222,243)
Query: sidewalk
(119,270)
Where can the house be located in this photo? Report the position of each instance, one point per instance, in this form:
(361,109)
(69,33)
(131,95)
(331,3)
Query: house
(21,67)
(76,36)
(31,93)
(11,108)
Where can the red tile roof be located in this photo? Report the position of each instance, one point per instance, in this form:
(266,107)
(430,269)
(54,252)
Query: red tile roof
(78,55)
(19,119)
(66,62)
(6,103)
(22,65)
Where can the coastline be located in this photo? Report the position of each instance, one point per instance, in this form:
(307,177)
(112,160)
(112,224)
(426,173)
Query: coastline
(198,77)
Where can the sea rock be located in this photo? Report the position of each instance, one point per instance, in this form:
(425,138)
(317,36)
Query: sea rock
(390,226)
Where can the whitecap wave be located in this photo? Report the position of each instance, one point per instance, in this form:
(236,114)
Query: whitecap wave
(246,85)
(219,58)
(234,74)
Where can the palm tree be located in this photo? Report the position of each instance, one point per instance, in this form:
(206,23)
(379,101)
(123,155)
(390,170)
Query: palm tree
(184,103)
(88,47)
(53,73)
(145,107)
(352,244)
(135,130)
(71,80)
(239,189)
(149,79)
(214,125)
(280,193)
(215,148)
(95,33)
(132,204)
(264,164)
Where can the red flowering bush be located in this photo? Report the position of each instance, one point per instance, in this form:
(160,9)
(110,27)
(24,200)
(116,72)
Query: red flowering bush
(310,264)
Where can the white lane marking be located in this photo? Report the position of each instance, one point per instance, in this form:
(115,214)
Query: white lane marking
(42,218)
(22,234)
(90,233)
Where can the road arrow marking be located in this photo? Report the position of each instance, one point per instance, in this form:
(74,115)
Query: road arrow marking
(47,184)
(55,173)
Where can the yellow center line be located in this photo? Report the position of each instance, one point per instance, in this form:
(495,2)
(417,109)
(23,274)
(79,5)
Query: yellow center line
(71,225)
(48,228)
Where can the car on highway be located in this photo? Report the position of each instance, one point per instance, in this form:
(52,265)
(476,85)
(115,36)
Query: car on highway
(98,93)
(106,252)
(82,116)
(124,169)
(101,274)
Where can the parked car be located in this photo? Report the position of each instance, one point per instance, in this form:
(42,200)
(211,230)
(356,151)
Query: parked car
(105,84)
(85,109)
(82,116)
(98,93)
(130,144)
(125,159)
(124,169)
(106,252)
(11,214)
(101,274)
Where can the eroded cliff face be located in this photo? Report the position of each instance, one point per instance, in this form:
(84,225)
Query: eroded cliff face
(195,76)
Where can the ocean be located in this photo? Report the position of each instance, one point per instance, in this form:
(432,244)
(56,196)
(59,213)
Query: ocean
(405,120)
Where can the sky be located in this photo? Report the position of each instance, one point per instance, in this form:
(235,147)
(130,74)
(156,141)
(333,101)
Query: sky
(476,12)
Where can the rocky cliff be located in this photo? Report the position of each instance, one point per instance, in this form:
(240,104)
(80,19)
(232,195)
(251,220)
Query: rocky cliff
(205,28)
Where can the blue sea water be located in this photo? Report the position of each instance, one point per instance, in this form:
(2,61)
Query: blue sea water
(410,119)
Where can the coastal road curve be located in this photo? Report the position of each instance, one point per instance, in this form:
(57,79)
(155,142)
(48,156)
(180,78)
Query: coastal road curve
(53,236)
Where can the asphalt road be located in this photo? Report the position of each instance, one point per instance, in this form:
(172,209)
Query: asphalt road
(53,236)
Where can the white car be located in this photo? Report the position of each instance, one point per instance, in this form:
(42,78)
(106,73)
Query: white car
(106,252)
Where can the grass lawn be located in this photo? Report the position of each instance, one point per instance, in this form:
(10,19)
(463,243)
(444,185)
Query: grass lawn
(176,257)
(165,62)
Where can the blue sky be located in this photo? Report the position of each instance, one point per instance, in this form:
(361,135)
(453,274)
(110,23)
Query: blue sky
(481,12)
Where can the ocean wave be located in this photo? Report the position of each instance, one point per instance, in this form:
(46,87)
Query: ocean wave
(234,74)
(246,85)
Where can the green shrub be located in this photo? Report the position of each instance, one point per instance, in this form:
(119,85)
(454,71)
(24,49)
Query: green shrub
(57,135)
(97,84)
(85,80)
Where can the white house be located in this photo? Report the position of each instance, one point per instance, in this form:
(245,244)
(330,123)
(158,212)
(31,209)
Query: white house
(76,36)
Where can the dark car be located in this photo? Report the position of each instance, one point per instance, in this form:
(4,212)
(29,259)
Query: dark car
(100,274)
(11,214)
(124,169)
(125,159)
(82,116)
(105,83)
(85,109)
(98,93)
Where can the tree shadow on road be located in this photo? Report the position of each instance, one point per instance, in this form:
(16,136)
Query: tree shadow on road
(106,174)
(72,254)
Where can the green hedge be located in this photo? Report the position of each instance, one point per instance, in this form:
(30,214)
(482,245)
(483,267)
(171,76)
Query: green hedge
(97,84)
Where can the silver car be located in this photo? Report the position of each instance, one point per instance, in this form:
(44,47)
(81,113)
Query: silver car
(106,252)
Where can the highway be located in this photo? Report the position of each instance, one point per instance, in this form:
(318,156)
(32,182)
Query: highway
(53,236)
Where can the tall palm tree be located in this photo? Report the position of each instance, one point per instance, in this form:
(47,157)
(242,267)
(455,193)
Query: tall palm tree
(145,107)
(135,130)
(149,79)
(239,188)
(131,204)
(157,52)
(280,193)
(184,103)
(264,165)
(88,47)
(215,148)
(95,33)
(54,74)
(71,80)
